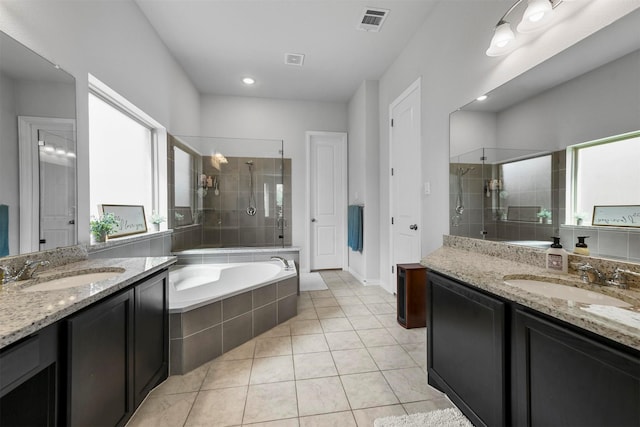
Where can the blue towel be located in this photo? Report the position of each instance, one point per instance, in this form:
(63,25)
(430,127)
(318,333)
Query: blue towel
(355,216)
(4,230)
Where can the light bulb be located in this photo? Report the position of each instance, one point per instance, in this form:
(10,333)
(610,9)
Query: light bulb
(536,16)
(502,39)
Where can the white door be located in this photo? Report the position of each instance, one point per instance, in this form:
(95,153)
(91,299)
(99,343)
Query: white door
(327,199)
(57,189)
(47,183)
(405,180)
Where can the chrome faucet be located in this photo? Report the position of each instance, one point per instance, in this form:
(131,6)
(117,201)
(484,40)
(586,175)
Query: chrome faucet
(26,272)
(283,261)
(590,274)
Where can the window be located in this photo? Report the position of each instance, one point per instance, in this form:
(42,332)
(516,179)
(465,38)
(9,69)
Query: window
(605,172)
(124,153)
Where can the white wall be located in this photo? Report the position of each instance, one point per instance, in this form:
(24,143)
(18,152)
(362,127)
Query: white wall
(363,177)
(598,104)
(470,130)
(261,118)
(113,41)
(455,70)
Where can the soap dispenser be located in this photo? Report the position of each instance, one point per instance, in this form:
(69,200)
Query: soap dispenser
(556,259)
(581,246)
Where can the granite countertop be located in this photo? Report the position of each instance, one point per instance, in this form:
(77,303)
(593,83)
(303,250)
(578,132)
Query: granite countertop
(488,273)
(23,313)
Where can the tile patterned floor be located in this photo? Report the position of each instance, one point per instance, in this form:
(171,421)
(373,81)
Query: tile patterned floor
(343,361)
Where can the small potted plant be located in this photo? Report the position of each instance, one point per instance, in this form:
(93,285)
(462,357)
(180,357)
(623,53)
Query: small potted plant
(580,216)
(545,216)
(102,227)
(156,220)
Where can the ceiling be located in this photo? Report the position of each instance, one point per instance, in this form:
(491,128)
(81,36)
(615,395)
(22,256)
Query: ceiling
(218,42)
(606,45)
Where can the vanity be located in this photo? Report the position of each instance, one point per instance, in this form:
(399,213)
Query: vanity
(80,354)
(506,356)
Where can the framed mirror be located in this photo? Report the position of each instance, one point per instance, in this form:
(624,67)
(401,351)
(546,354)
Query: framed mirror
(512,173)
(37,152)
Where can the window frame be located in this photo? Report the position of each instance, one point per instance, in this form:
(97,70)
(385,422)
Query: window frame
(158,138)
(573,163)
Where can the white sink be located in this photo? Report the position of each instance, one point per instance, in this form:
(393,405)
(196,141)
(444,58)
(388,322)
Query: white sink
(72,281)
(569,293)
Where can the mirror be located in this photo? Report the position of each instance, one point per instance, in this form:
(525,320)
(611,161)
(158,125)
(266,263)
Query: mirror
(508,172)
(37,152)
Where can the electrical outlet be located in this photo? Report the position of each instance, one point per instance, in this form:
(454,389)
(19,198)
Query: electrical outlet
(427,188)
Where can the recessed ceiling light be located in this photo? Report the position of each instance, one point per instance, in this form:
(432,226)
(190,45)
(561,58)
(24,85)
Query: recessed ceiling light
(248,81)
(481,98)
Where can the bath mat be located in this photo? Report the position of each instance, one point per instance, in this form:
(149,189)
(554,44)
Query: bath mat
(312,282)
(450,417)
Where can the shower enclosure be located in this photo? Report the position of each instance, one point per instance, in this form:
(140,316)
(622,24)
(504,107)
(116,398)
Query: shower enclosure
(507,194)
(226,192)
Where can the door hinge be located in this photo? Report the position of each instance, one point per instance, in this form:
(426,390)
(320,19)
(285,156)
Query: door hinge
(392,270)
(391,220)
(391,171)
(391,122)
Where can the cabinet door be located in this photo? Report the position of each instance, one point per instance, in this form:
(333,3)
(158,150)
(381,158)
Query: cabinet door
(465,349)
(151,335)
(100,364)
(565,378)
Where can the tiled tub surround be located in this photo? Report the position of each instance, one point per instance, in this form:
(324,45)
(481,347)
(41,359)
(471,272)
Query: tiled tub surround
(485,264)
(23,313)
(203,332)
(225,255)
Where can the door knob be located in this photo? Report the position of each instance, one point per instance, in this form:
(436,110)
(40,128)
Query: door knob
(313,220)
(413,227)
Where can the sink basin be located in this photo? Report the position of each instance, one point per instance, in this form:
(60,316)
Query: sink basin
(72,281)
(569,293)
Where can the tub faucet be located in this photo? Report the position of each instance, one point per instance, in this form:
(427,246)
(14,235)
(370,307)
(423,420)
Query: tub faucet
(26,272)
(284,262)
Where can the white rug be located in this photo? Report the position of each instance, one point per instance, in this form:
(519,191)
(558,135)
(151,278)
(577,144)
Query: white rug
(312,282)
(450,417)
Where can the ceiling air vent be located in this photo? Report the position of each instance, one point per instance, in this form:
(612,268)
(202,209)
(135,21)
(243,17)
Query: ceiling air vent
(372,19)
(294,59)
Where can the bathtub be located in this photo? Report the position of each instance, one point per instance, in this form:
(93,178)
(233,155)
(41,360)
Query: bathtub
(214,308)
(192,286)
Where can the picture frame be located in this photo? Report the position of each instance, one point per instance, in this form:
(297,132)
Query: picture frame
(131,219)
(616,216)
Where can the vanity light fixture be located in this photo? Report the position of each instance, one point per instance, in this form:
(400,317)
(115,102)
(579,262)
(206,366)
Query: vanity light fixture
(536,16)
(248,81)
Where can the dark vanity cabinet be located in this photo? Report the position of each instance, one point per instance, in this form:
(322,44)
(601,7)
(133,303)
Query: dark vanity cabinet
(505,364)
(29,380)
(100,363)
(151,336)
(117,351)
(465,348)
(562,377)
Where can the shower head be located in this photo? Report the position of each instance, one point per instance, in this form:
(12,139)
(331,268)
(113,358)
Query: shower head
(463,171)
(250,163)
